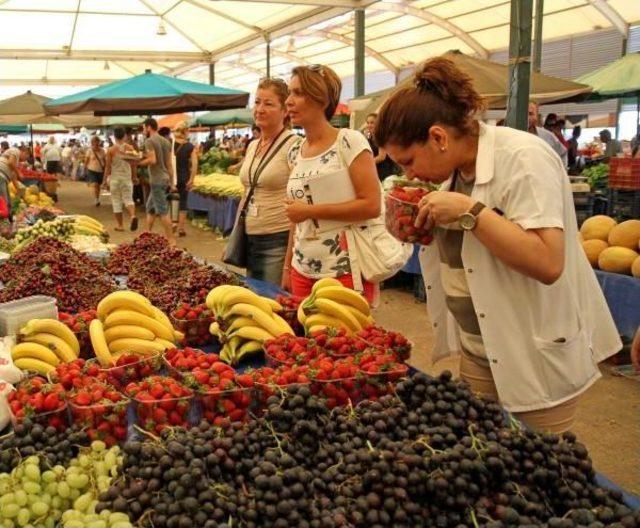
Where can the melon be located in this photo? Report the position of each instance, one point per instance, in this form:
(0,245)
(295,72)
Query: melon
(635,268)
(626,234)
(593,248)
(617,259)
(597,227)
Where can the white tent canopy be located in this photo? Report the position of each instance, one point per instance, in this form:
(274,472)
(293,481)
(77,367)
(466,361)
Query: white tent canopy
(87,42)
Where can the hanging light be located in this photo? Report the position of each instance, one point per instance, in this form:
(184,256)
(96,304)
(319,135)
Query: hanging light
(291,46)
(106,66)
(161,29)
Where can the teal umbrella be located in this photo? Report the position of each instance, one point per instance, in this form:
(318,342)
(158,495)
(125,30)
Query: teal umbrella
(239,116)
(619,79)
(149,93)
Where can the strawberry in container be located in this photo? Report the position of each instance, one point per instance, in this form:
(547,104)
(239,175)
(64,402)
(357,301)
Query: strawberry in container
(184,360)
(290,305)
(378,337)
(270,382)
(223,396)
(69,375)
(101,410)
(337,342)
(193,322)
(160,402)
(288,350)
(381,370)
(39,400)
(401,211)
(336,380)
(128,368)
(79,325)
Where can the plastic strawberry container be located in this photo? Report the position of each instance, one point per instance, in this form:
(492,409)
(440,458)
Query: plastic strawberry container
(196,331)
(338,392)
(109,420)
(120,376)
(403,353)
(58,418)
(155,415)
(378,384)
(222,408)
(400,217)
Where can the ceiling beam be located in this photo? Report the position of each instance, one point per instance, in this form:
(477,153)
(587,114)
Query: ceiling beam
(101,55)
(607,11)
(67,11)
(289,56)
(60,82)
(222,14)
(436,20)
(351,4)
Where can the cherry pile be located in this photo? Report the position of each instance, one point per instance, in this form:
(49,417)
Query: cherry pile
(51,267)
(434,455)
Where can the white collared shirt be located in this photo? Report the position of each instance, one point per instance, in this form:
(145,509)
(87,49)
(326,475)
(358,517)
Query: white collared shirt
(543,342)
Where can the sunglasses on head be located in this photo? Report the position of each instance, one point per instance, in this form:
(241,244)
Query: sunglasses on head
(317,68)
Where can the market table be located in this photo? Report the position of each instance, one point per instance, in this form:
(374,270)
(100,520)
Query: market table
(221,210)
(622,293)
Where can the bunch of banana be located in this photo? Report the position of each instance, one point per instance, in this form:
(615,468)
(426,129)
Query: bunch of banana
(333,305)
(85,225)
(244,320)
(128,322)
(45,343)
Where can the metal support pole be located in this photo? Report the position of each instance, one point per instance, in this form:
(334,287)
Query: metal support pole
(212,73)
(268,39)
(519,63)
(358,86)
(537,36)
(619,100)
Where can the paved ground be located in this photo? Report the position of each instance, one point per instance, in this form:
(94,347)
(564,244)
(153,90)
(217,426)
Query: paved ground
(609,417)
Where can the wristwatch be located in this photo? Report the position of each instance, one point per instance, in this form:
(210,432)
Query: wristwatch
(469,219)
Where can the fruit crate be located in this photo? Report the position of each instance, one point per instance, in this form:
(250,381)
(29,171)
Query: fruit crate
(196,331)
(624,204)
(121,375)
(624,173)
(155,415)
(378,384)
(15,314)
(400,217)
(222,408)
(58,418)
(108,421)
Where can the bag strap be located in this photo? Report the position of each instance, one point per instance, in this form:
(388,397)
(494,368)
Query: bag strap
(266,159)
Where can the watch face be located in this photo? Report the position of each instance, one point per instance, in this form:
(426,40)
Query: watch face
(467,221)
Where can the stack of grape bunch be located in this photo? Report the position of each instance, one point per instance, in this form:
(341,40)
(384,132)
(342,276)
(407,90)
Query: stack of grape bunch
(432,456)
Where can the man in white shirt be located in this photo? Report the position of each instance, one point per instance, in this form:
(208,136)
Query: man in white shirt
(545,135)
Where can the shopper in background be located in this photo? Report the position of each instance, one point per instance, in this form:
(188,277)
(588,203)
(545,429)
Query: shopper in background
(186,169)
(326,153)
(4,145)
(612,146)
(165,132)
(548,137)
(52,156)
(118,179)
(38,152)
(95,161)
(384,164)
(264,175)
(533,322)
(9,159)
(573,146)
(158,159)
(555,125)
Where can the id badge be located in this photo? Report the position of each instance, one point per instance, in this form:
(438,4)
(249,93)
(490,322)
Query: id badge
(252,209)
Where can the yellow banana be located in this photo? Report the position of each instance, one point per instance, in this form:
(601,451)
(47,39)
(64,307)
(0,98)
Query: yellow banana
(316,328)
(35,351)
(178,336)
(322,319)
(247,348)
(253,333)
(335,309)
(345,296)
(284,326)
(301,315)
(124,300)
(260,318)
(363,320)
(124,331)
(34,365)
(275,305)
(59,346)
(214,296)
(99,343)
(166,344)
(214,329)
(87,228)
(244,296)
(225,354)
(161,317)
(239,322)
(136,346)
(323,283)
(52,326)
(129,317)
(90,220)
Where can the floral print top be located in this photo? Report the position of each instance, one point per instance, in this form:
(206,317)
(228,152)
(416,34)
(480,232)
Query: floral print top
(325,253)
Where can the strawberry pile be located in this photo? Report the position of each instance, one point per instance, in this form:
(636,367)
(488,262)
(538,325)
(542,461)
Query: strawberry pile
(188,359)
(378,337)
(337,343)
(39,400)
(160,402)
(127,369)
(287,350)
(193,322)
(79,325)
(401,211)
(382,371)
(101,411)
(336,380)
(69,375)
(270,381)
(290,304)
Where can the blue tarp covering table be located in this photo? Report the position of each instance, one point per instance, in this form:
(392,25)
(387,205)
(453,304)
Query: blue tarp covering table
(221,210)
(623,297)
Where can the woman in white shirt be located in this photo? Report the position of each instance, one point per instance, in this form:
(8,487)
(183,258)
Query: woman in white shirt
(326,164)
(506,262)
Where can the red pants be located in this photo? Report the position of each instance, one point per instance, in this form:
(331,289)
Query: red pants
(301,285)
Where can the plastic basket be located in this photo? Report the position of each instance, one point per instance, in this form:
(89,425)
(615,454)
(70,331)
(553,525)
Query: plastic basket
(15,314)
(58,418)
(156,415)
(376,385)
(624,173)
(338,392)
(196,331)
(400,217)
(120,376)
(108,420)
(222,408)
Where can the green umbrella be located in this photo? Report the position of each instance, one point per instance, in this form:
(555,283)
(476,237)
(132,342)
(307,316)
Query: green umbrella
(149,93)
(619,79)
(239,116)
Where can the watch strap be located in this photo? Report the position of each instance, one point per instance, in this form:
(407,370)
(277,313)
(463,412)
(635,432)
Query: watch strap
(477,207)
